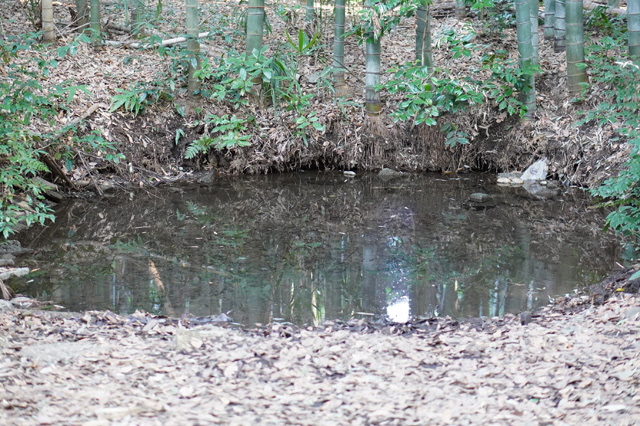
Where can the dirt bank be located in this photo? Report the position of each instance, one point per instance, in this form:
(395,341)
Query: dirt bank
(100,368)
(154,142)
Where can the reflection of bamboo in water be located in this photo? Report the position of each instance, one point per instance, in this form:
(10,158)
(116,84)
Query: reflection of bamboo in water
(160,286)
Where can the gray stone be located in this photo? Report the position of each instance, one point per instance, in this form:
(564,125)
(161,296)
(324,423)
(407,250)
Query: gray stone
(12,247)
(6,273)
(389,172)
(511,179)
(7,259)
(479,197)
(510,175)
(54,196)
(22,302)
(206,179)
(5,306)
(45,183)
(541,191)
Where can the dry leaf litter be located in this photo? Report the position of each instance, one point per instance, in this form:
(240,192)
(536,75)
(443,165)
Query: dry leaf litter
(100,368)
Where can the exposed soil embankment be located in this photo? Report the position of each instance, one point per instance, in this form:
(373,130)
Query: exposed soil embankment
(155,141)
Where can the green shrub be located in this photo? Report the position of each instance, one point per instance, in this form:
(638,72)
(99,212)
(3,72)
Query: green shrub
(618,105)
(24,102)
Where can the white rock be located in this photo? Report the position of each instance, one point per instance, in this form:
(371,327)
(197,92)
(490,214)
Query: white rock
(536,171)
(6,273)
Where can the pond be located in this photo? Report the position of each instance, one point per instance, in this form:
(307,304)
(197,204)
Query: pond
(308,247)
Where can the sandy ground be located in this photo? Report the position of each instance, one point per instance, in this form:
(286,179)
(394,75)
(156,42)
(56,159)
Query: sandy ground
(98,368)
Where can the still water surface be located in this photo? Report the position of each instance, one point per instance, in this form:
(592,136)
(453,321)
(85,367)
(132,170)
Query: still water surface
(307,247)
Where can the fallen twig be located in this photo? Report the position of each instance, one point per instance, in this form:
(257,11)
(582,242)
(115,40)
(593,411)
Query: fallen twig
(138,45)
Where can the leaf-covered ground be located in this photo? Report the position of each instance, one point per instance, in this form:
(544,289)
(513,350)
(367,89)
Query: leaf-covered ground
(99,368)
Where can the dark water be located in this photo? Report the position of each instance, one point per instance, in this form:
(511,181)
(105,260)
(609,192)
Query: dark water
(312,246)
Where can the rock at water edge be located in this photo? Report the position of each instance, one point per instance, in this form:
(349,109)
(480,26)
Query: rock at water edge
(536,171)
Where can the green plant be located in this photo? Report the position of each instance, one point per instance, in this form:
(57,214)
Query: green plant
(221,133)
(497,15)
(427,96)
(142,94)
(604,23)
(233,76)
(26,107)
(305,121)
(379,17)
(506,81)
(619,106)
(458,43)
(303,45)
(453,135)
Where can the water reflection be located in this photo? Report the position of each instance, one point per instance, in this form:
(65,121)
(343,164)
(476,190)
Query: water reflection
(313,246)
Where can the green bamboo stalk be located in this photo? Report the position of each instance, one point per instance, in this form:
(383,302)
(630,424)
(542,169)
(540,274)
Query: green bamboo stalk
(549,19)
(82,16)
(255,26)
(423,36)
(534,5)
(576,75)
(372,76)
(193,46)
(560,27)
(461,11)
(95,20)
(525,51)
(633,28)
(338,49)
(310,11)
(48,28)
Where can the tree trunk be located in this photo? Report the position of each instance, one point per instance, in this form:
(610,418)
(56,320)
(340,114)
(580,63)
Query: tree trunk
(549,19)
(372,77)
(48,29)
(193,46)
(525,49)
(423,37)
(95,20)
(560,27)
(255,24)
(338,49)
(575,47)
(82,14)
(310,11)
(461,11)
(633,28)
(534,5)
